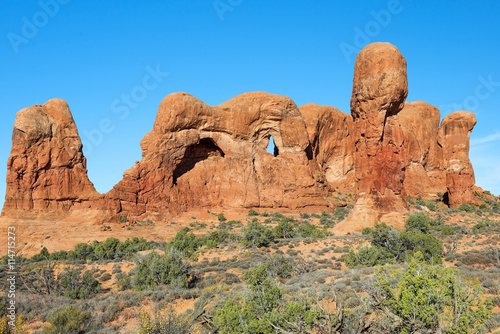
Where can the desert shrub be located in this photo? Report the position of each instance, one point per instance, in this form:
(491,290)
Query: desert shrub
(75,286)
(367,231)
(106,250)
(124,281)
(467,208)
(109,249)
(185,242)
(116,269)
(389,245)
(477,258)
(431,205)
(70,320)
(215,238)
(308,230)
(264,309)
(82,251)
(256,235)
(341,212)
(279,266)
(16,259)
(221,217)
(9,326)
(44,255)
(418,222)
(106,277)
(430,246)
(433,298)
(155,269)
(285,229)
(368,256)
(39,278)
(447,230)
(252,212)
(481,225)
(167,322)
(58,256)
(484,207)
(129,247)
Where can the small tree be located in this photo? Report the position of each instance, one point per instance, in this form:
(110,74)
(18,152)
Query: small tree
(418,222)
(155,269)
(185,242)
(431,298)
(256,234)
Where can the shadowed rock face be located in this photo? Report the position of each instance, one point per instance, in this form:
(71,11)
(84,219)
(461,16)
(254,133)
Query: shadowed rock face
(199,155)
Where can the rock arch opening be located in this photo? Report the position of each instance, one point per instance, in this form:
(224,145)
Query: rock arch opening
(272,148)
(195,153)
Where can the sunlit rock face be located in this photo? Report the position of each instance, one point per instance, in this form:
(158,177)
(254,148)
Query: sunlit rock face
(198,155)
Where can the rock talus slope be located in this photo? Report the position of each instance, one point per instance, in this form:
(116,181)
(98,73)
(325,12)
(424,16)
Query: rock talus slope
(198,155)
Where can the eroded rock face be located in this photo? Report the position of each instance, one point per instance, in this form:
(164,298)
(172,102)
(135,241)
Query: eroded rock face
(454,134)
(199,155)
(423,156)
(46,168)
(379,91)
(332,143)
(203,156)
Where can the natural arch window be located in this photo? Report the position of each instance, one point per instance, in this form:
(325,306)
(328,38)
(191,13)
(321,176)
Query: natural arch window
(205,149)
(272,148)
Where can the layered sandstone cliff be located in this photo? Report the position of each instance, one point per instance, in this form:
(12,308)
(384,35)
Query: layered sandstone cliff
(199,155)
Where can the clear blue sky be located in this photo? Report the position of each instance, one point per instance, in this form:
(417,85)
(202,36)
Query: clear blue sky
(92,53)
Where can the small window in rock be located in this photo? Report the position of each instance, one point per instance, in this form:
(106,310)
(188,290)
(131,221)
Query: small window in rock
(272,148)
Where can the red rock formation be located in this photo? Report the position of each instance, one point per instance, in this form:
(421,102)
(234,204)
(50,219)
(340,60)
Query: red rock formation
(454,134)
(46,168)
(332,143)
(423,156)
(379,90)
(198,155)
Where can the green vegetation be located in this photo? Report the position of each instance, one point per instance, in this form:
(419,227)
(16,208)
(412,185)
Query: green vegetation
(433,298)
(155,269)
(467,208)
(76,286)
(389,245)
(185,242)
(264,309)
(110,249)
(70,320)
(257,277)
(256,235)
(167,322)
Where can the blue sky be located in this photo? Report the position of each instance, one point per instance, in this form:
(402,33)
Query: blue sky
(114,61)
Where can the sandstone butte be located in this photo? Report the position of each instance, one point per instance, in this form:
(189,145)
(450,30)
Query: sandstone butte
(202,156)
